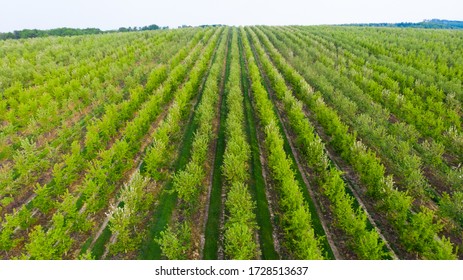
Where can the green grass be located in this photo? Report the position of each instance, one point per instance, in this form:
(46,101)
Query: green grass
(86,245)
(99,246)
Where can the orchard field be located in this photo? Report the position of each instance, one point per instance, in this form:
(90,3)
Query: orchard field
(321,142)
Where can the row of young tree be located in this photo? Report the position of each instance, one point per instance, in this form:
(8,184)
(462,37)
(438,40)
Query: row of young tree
(371,122)
(38,153)
(399,142)
(394,204)
(126,221)
(366,243)
(429,109)
(240,226)
(296,219)
(64,173)
(104,172)
(65,89)
(176,241)
(413,75)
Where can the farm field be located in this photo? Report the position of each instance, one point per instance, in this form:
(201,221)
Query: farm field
(291,142)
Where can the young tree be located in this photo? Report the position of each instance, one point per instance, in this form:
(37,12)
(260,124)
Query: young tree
(175,242)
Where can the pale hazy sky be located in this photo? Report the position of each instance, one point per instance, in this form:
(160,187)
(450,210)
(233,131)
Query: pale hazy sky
(112,14)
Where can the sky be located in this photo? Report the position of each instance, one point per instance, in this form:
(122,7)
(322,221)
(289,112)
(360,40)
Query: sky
(112,14)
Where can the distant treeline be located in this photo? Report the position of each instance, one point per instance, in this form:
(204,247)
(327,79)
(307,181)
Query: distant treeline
(34,33)
(433,23)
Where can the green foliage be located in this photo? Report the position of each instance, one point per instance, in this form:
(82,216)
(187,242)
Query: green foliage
(34,33)
(157,153)
(155,78)
(444,250)
(239,242)
(72,96)
(397,205)
(40,247)
(239,205)
(155,158)
(69,208)
(43,200)
(28,161)
(9,224)
(70,161)
(51,244)
(303,243)
(187,183)
(370,246)
(19,219)
(421,231)
(452,206)
(175,242)
(235,160)
(6,181)
(86,256)
(433,23)
(123,220)
(104,172)
(373,172)
(66,173)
